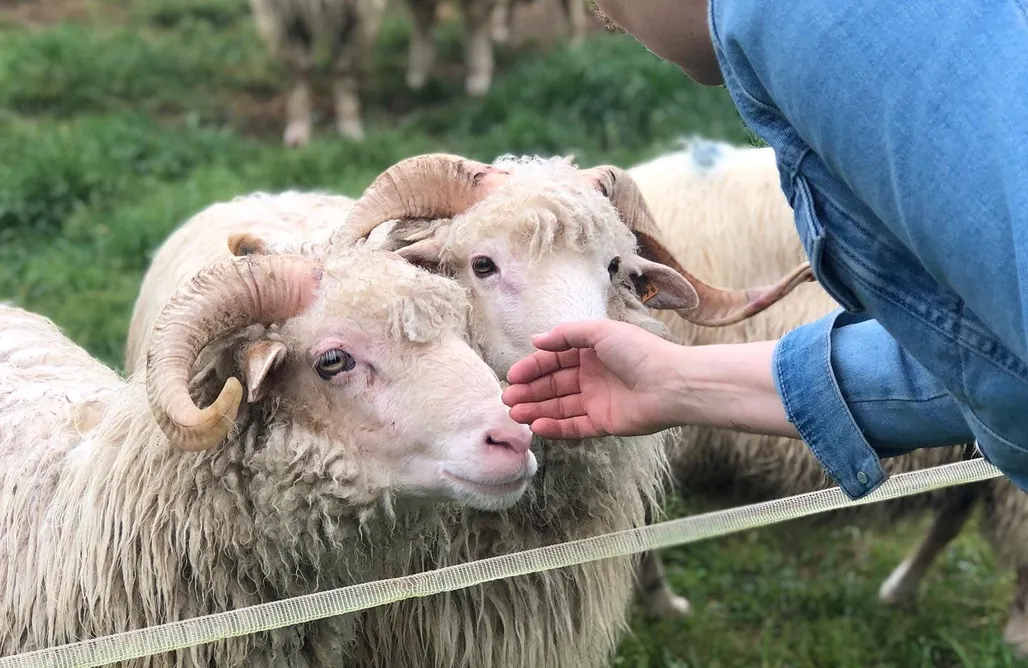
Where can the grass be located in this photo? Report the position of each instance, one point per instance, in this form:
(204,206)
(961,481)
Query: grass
(122,118)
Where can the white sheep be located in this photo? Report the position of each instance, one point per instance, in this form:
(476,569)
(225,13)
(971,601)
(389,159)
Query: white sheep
(722,211)
(575,13)
(296,30)
(534,243)
(368,422)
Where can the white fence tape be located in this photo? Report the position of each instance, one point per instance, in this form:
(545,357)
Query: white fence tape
(200,630)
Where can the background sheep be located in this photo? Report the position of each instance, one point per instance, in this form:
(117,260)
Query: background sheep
(478,47)
(722,211)
(296,30)
(560,243)
(363,404)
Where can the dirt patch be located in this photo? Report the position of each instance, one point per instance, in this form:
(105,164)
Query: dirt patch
(43,13)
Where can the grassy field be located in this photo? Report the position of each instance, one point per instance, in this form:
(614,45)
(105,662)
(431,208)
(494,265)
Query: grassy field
(120,119)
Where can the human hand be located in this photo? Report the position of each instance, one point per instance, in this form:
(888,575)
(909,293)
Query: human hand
(594,378)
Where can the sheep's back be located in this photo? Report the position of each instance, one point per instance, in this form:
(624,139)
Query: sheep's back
(282,220)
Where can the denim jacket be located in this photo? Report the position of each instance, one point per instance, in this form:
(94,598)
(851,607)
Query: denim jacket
(901,135)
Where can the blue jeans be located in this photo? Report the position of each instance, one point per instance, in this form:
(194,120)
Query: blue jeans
(901,134)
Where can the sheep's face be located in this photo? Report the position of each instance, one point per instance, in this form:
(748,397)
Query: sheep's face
(544,249)
(533,273)
(378,367)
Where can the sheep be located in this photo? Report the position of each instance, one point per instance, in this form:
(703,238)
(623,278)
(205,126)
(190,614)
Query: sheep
(478,46)
(565,230)
(716,205)
(368,421)
(295,30)
(502,20)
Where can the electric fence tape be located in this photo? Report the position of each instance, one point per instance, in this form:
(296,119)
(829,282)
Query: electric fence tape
(310,607)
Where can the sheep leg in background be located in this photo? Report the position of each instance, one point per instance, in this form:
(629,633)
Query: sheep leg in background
(578,20)
(289,39)
(1016,632)
(351,49)
(422,42)
(654,590)
(657,597)
(298,107)
(478,45)
(949,520)
(502,19)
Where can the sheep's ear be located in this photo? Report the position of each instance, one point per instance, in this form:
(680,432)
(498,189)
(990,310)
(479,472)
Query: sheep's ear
(260,358)
(418,242)
(661,287)
(424,254)
(244,243)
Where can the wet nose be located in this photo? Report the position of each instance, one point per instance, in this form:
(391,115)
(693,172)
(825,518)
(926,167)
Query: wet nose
(516,437)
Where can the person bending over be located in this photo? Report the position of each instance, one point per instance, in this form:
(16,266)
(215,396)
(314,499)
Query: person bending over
(900,135)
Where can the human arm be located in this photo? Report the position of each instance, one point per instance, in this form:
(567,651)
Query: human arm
(845,387)
(601,377)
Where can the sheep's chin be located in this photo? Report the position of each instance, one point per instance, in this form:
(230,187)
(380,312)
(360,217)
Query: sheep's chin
(489,496)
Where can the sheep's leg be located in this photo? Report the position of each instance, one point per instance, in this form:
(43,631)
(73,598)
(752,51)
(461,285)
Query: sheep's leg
(578,21)
(654,590)
(298,108)
(950,519)
(351,49)
(421,57)
(1016,632)
(501,19)
(291,42)
(478,46)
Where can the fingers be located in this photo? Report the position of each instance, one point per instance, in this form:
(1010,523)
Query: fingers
(559,408)
(569,335)
(539,364)
(571,429)
(557,384)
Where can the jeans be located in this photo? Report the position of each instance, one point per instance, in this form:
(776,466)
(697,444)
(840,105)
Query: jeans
(901,135)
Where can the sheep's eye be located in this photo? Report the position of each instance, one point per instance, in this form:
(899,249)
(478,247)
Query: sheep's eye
(483,266)
(613,267)
(334,362)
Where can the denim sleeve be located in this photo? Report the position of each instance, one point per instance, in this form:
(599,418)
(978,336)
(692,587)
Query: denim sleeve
(855,396)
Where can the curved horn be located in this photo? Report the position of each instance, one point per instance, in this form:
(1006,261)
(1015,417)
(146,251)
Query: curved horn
(434,185)
(226,296)
(717,307)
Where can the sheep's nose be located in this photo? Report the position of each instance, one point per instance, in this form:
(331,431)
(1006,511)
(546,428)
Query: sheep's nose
(517,438)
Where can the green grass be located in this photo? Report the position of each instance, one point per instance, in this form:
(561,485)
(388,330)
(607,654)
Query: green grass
(119,125)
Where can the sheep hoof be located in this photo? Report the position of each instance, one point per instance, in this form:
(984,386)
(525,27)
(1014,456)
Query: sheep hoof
(899,586)
(478,85)
(665,604)
(1015,635)
(297,134)
(417,80)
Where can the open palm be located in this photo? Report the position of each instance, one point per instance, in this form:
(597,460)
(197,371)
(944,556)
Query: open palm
(593,378)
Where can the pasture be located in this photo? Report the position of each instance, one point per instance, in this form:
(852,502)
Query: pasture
(121,118)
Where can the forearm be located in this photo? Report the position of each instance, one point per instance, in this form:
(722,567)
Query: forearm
(729,386)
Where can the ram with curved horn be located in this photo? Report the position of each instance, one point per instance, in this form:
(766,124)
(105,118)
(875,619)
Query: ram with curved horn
(367,422)
(532,242)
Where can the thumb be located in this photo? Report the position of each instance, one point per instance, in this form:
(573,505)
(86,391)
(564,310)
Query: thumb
(568,335)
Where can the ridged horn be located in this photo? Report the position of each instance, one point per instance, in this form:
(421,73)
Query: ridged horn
(222,298)
(717,307)
(434,185)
